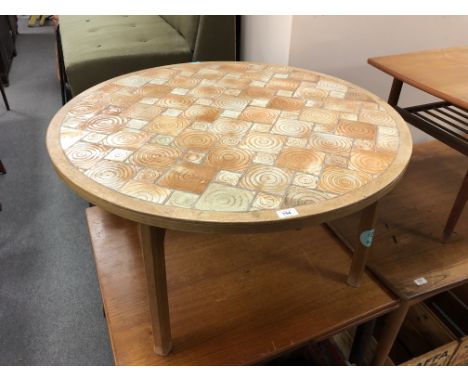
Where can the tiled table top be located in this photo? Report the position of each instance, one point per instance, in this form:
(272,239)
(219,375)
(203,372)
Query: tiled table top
(226,137)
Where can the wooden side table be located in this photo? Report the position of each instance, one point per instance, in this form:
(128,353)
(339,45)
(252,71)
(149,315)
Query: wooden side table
(409,259)
(443,74)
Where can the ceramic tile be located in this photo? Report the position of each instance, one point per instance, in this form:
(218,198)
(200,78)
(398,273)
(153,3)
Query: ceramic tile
(338,180)
(263,142)
(148,175)
(330,143)
(265,201)
(219,197)
(229,158)
(264,158)
(296,142)
(202,113)
(111,174)
(188,177)
(305,180)
(298,196)
(160,139)
(149,100)
(228,177)
(286,103)
(194,156)
(93,138)
(259,102)
(259,114)
(182,199)
(301,159)
(85,155)
(118,155)
(266,178)
(145,191)
(359,130)
(136,123)
(69,137)
(127,139)
(142,111)
(195,140)
(167,125)
(292,128)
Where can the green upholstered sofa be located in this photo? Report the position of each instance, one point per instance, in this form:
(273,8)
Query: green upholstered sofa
(96,48)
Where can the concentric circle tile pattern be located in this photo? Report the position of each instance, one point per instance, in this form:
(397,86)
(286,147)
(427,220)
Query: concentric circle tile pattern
(233,137)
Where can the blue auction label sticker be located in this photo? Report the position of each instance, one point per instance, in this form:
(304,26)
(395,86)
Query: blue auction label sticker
(367,237)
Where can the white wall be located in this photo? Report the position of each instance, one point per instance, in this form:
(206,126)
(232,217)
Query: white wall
(266,38)
(341,45)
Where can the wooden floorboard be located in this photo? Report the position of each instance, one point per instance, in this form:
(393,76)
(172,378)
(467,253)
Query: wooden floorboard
(234,299)
(408,245)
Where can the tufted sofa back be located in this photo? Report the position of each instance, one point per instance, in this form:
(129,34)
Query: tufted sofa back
(186,25)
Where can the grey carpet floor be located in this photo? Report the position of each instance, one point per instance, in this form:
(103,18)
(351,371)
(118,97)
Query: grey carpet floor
(50,305)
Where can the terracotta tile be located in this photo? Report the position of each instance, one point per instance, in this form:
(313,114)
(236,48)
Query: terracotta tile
(145,191)
(202,113)
(286,103)
(176,101)
(266,178)
(122,100)
(329,143)
(182,199)
(298,196)
(220,197)
(207,91)
(155,156)
(69,137)
(265,201)
(104,124)
(283,84)
(154,90)
(342,105)
(111,174)
(228,177)
(359,130)
(167,125)
(127,139)
(265,142)
(370,161)
(299,159)
(188,177)
(261,93)
(231,102)
(142,111)
(377,118)
(319,116)
(259,114)
(229,158)
(292,128)
(195,140)
(340,181)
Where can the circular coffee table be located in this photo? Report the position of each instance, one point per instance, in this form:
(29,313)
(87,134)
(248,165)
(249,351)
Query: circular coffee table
(228,147)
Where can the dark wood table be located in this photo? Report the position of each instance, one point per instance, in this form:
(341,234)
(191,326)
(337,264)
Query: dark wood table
(443,74)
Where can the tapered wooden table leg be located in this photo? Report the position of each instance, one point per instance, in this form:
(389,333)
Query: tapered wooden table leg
(393,323)
(361,342)
(457,208)
(364,242)
(152,243)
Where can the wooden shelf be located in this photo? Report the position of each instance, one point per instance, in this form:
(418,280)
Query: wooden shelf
(234,299)
(408,244)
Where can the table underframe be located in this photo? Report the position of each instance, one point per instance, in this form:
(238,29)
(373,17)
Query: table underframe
(152,244)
